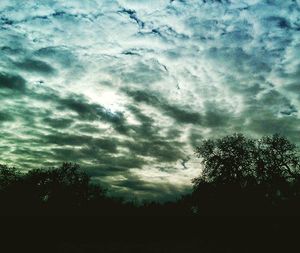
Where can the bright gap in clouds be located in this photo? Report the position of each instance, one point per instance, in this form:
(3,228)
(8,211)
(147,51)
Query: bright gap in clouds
(107,98)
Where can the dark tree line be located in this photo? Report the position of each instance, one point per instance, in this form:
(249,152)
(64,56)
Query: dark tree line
(59,191)
(66,190)
(240,176)
(243,176)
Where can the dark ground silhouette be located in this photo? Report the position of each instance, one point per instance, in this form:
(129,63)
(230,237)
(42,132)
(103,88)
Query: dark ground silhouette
(256,179)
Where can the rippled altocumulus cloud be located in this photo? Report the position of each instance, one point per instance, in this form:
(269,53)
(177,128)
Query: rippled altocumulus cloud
(128,88)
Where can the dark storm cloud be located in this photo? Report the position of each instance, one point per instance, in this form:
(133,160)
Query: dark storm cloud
(161,150)
(34,65)
(211,117)
(142,73)
(133,16)
(105,162)
(148,129)
(154,145)
(238,60)
(106,165)
(92,112)
(60,139)
(265,123)
(272,102)
(293,87)
(176,112)
(24,152)
(149,142)
(216,117)
(88,128)
(58,122)
(195,138)
(62,55)
(4,117)
(12,82)
(278,21)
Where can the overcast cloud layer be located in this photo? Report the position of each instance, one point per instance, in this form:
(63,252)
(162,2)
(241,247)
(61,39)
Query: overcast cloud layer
(128,88)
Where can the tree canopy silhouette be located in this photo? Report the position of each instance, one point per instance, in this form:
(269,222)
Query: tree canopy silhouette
(240,176)
(247,176)
(63,190)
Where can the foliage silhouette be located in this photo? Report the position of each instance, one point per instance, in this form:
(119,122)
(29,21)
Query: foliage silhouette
(240,176)
(243,176)
(64,190)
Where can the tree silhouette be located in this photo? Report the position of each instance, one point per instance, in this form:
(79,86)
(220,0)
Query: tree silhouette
(227,160)
(240,176)
(60,189)
(8,176)
(64,190)
(276,157)
(10,189)
(246,176)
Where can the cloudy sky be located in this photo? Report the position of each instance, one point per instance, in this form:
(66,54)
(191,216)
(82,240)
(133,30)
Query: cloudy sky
(127,88)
